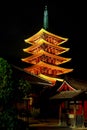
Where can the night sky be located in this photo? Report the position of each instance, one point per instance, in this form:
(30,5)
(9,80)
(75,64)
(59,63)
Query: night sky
(21,20)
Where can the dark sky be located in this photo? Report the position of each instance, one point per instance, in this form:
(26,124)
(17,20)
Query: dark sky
(21,20)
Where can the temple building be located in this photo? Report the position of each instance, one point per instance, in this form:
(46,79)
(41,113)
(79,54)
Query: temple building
(71,103)
(45,54)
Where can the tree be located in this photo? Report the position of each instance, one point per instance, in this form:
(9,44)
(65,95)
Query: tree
(24,87)
(6,83)
(6,95)
(8,90)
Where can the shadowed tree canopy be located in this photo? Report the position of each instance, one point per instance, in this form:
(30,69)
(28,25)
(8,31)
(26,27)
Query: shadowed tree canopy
(10,91)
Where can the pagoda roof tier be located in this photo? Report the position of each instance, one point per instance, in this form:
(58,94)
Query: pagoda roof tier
(32,78)
(47,69)
(50,79)
(47,36)
(45,57)
(46,46)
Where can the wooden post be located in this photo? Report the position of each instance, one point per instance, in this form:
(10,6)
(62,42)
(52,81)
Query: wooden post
(74,113)
(60,114)
(83,112)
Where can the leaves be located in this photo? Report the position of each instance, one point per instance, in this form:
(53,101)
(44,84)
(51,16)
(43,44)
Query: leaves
(10,91)
(24,87)
(5,73)
(7,119)
(6,87)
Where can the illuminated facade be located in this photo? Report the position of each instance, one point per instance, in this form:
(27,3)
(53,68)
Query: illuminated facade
(44,56)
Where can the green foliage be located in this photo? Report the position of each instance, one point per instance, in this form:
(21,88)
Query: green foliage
(24,87)
(5,73)
(6,95)
(7,119)
(9,90)
(35,112)
(6,87)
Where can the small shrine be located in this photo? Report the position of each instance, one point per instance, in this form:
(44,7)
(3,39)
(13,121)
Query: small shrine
(71,97)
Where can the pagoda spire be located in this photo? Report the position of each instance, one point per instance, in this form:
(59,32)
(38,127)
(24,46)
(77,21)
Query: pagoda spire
(45,18)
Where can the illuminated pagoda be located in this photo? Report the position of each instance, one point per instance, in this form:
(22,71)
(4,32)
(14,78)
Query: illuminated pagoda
(44,54)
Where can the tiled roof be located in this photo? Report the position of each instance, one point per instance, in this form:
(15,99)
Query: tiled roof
(33,79)
(76,83)
(66,94)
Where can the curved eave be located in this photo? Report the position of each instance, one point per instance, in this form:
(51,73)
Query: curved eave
(33,37)
(40,42)
(28,50)
(32,78)
(39,33)
(53,45)
(40,79)
(42,52)
(50,79)
(56,36)
(52,67)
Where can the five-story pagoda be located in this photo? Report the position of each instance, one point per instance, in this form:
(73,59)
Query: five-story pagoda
(45,50)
